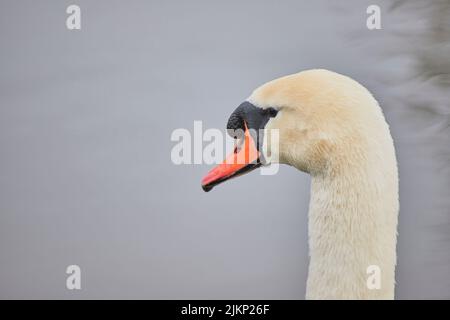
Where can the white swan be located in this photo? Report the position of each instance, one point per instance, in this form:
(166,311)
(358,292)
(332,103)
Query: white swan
(332,128)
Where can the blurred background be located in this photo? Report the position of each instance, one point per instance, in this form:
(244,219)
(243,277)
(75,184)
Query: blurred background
(85,122)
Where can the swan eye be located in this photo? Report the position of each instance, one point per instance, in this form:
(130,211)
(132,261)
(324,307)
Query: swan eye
(272,112)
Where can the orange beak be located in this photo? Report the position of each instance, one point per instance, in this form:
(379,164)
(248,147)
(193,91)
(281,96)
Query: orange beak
(241,161)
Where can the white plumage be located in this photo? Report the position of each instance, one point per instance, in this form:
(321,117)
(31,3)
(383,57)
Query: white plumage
(331,127)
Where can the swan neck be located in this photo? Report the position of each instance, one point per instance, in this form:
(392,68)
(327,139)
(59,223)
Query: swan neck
(352,232)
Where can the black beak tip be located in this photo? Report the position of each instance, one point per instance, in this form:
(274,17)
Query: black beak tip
(207,188)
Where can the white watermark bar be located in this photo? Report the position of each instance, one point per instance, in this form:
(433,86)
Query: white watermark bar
(231,147)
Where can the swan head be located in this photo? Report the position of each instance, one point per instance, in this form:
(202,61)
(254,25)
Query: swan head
(320,117)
